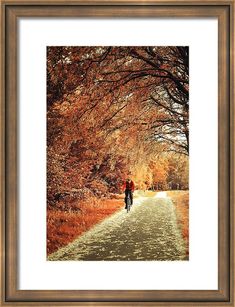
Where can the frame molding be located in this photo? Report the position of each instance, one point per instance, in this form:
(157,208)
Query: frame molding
(11,11)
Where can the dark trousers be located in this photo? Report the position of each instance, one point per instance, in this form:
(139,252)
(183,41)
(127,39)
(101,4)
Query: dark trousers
(131,195)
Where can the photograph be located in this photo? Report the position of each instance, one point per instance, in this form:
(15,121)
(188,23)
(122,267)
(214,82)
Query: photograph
(117,153)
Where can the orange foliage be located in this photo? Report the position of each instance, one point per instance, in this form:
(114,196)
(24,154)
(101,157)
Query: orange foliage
(110,111)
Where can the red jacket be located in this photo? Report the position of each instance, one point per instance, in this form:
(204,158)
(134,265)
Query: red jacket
(129,186)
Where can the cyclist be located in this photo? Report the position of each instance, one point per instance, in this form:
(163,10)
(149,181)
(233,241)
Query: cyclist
(128,187)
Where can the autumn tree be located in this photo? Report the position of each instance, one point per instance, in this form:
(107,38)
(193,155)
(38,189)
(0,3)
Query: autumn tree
(112,111)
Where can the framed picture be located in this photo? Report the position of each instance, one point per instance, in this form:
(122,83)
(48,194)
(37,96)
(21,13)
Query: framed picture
(117,156)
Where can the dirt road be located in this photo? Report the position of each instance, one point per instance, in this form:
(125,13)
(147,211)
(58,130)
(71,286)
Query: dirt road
(148,232)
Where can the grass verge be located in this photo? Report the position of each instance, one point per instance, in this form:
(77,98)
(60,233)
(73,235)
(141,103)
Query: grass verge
(65,226)
(181,202)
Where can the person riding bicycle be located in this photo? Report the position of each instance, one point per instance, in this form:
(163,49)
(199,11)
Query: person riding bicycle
(128,188)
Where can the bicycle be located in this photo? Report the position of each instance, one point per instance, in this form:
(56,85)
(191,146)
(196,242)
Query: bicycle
(128,202)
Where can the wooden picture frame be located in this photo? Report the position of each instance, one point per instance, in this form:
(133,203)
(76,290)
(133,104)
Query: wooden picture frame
(11,10)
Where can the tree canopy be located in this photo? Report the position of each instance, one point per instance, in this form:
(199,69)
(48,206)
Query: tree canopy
(114,111)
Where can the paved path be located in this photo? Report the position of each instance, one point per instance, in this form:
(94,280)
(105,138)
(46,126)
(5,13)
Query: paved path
(148,232)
